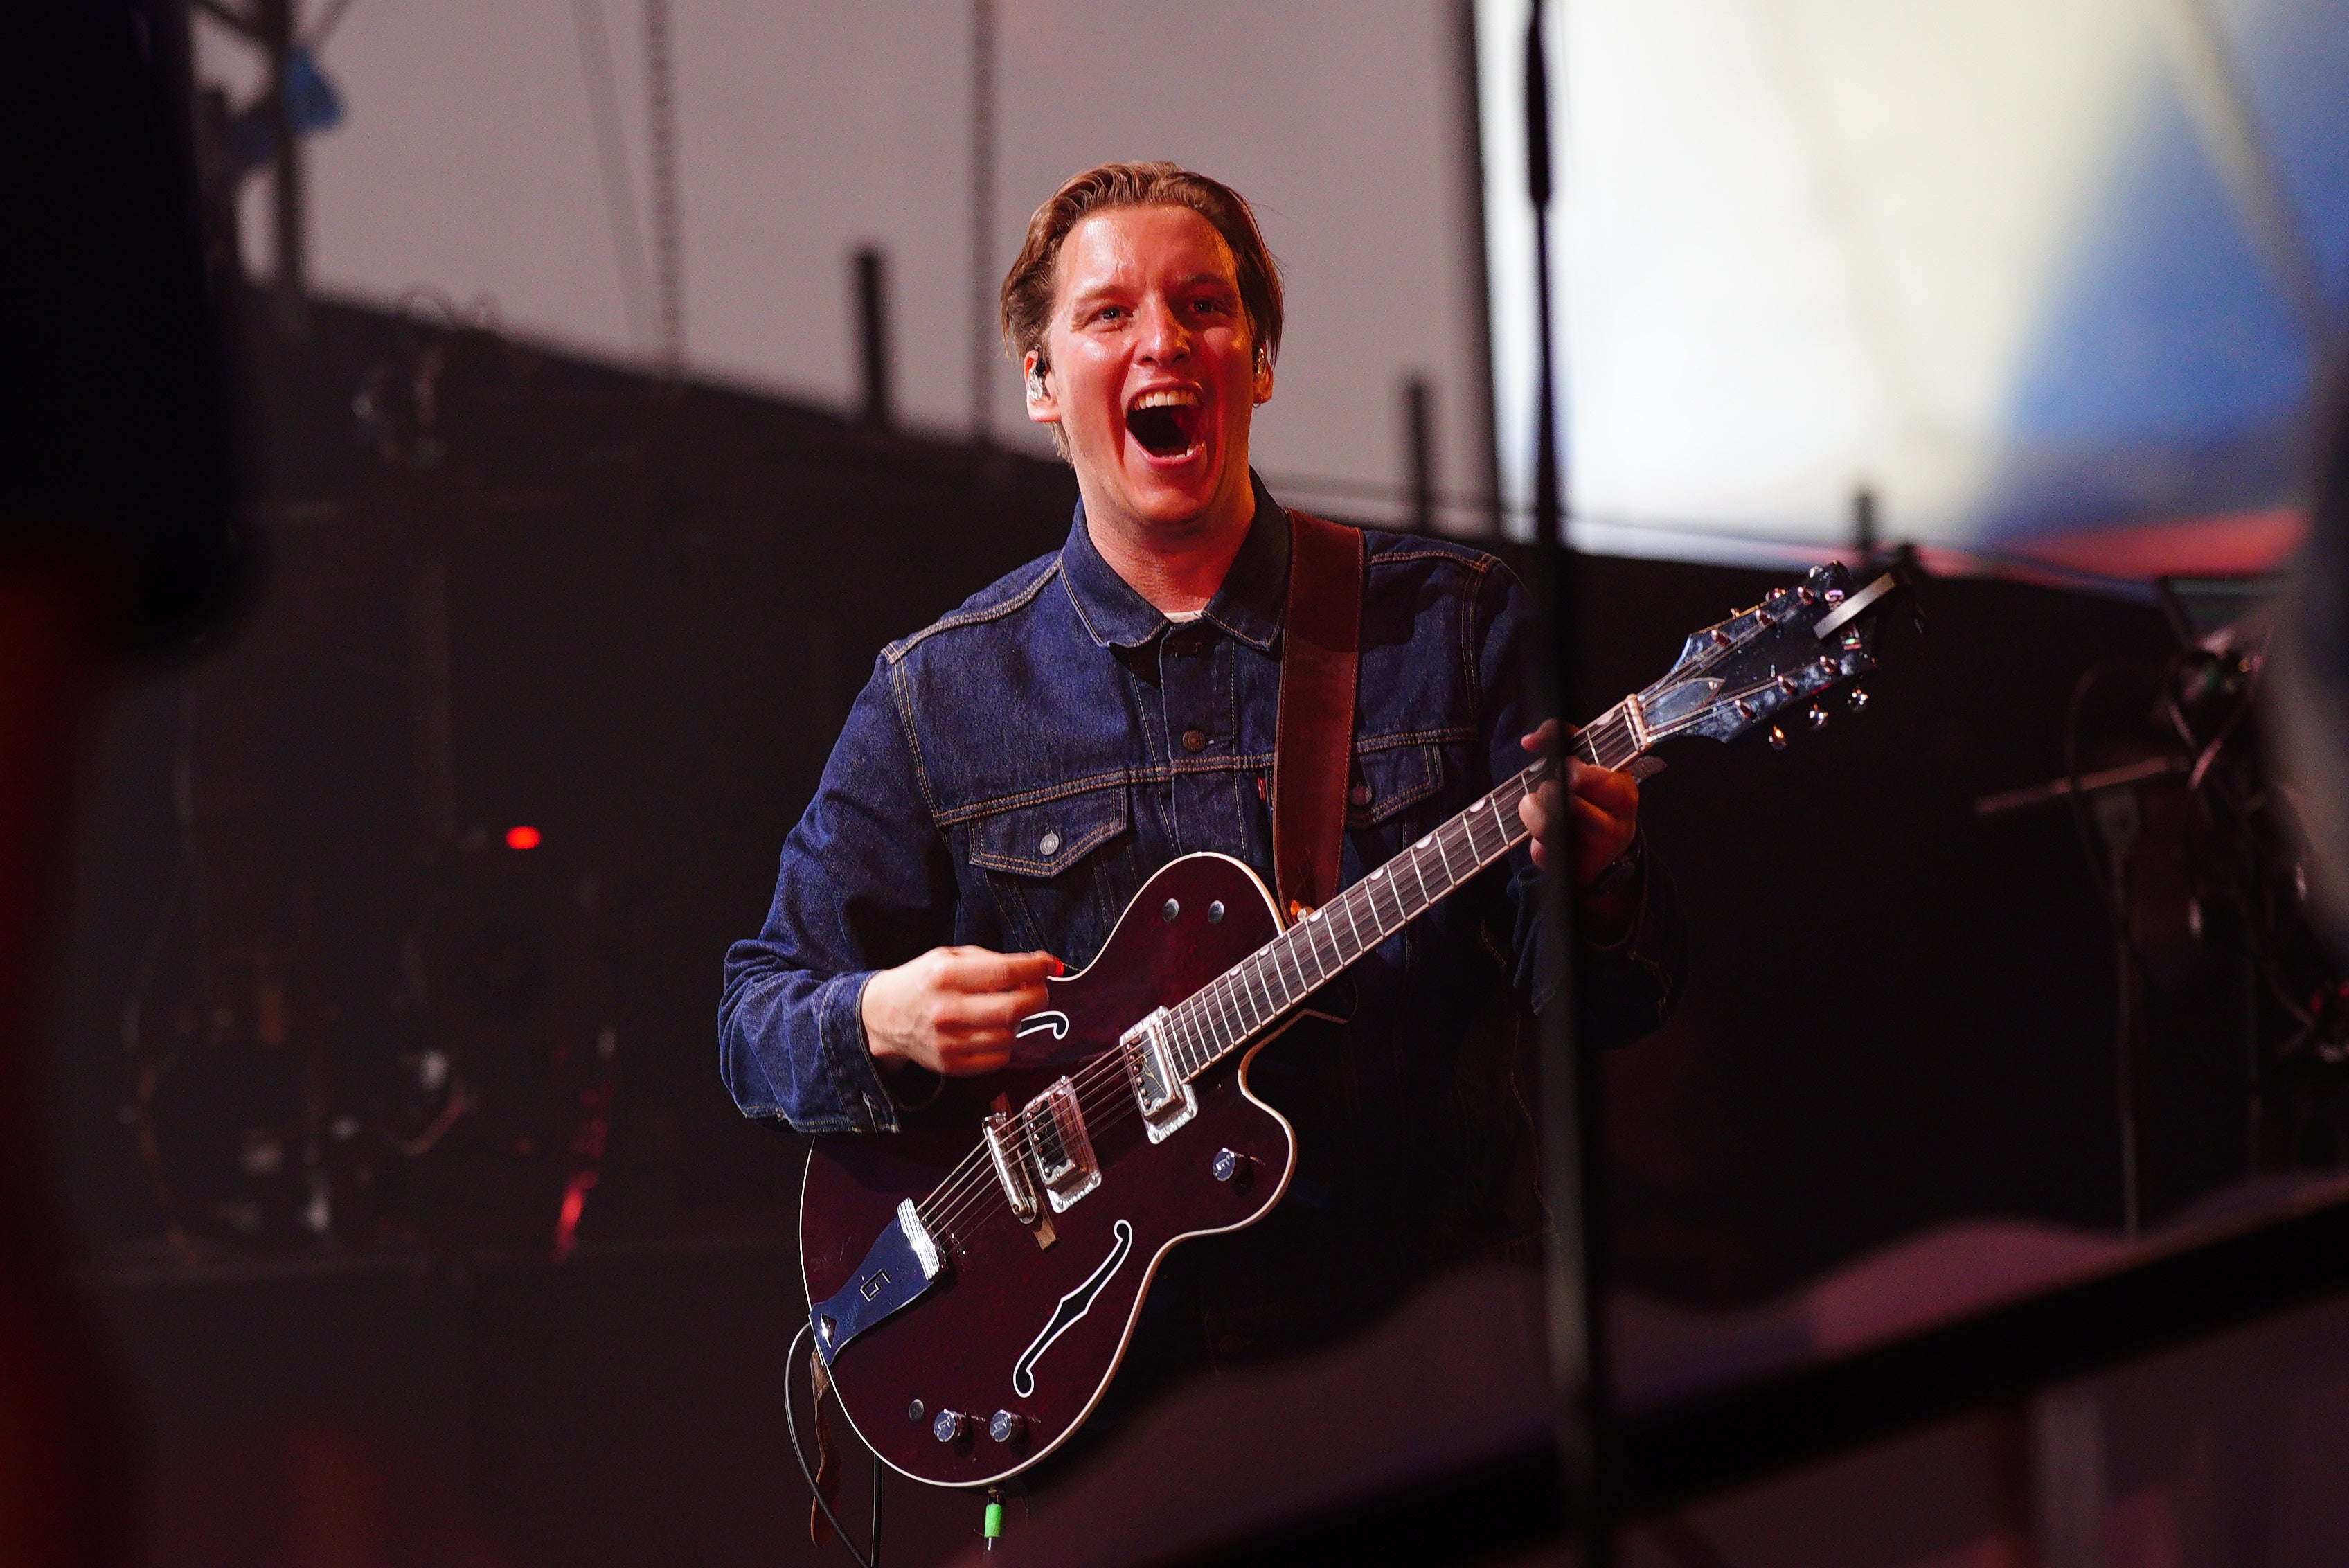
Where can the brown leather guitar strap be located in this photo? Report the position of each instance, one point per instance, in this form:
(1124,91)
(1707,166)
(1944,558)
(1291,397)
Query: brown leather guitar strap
(1313,740)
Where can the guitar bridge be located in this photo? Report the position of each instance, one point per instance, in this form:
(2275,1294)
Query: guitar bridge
(1059,1147)
(1166,1098)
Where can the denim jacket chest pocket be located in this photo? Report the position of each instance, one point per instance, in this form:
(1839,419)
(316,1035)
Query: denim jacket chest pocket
(1387,781)
(1059,869)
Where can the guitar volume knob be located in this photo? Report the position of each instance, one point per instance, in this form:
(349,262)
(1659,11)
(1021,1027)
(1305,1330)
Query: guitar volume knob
(1007,1427)
(949,1426)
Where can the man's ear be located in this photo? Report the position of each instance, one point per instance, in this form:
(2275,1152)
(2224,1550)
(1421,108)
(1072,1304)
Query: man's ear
(1263,377)
(1043,406)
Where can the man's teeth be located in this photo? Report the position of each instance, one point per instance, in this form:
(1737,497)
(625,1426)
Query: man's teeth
(1166,400)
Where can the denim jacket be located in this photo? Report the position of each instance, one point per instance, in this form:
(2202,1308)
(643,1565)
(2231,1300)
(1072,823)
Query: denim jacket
(1012,774)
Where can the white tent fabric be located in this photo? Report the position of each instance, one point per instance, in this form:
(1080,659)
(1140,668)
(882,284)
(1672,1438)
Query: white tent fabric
(2004,263)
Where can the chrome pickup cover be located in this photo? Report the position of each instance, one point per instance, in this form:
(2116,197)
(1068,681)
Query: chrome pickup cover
(1165,1097)
(1008,1168)
(1059,1147)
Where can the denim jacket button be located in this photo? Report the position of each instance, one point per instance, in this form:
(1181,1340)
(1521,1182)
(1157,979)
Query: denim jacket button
(1049,845)
(1194,740)
(1360,795)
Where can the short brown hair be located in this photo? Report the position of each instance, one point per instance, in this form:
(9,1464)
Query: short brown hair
(1028,286)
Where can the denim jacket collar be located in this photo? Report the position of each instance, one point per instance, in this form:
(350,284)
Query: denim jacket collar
(1248,604)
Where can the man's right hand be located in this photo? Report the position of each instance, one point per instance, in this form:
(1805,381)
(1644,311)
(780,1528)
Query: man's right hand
(952,1010)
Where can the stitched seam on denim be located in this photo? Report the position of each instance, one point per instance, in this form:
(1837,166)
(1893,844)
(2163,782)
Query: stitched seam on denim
(1231,658)
(1091,782)
(902,700)
(904,645)
(1474,561)
(1069,855)
(1429,780)
(1075,604)
(1414,738)
(1469,646)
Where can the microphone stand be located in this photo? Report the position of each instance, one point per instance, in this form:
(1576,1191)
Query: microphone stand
(1573,1146)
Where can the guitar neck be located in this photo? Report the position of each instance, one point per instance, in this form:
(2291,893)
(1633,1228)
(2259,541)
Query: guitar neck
(1246,999)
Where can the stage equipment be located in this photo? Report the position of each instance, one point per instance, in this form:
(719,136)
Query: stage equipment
(973,1280)
(508,1047)
(2196,858)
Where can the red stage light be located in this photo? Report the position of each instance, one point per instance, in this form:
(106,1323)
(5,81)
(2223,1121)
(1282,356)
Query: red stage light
(521,838)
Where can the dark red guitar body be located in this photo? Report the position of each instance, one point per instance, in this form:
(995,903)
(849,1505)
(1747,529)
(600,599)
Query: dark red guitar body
(956,1347)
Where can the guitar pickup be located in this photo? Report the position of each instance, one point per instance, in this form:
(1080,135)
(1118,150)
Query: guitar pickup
(1166,1099)
(1059,1147)
(1009,1169)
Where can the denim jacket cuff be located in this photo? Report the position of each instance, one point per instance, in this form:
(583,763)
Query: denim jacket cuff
(839,1027)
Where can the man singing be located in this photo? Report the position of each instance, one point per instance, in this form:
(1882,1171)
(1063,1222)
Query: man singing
(1012,774)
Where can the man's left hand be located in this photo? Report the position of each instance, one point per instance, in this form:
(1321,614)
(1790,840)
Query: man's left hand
(1603,819)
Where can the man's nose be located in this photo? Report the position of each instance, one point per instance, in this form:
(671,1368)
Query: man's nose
(1163,338)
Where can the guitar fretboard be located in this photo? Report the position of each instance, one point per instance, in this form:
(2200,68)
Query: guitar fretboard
(1249,997)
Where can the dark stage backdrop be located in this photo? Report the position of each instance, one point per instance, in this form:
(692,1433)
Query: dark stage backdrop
(656,604)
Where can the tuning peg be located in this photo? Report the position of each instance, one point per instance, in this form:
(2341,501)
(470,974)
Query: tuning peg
(1817,717)
(1777,739)
(1858,699)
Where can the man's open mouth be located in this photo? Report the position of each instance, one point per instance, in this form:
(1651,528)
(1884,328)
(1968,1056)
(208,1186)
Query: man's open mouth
(1166,423)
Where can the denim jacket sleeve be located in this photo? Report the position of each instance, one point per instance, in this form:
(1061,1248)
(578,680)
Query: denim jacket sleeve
(865,884)
(1627,987)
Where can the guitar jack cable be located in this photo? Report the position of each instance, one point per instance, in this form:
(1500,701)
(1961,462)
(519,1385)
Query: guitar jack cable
(870,1558)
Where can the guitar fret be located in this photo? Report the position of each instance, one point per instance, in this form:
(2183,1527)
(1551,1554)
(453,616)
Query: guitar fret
(1239,1004)
(1317,925)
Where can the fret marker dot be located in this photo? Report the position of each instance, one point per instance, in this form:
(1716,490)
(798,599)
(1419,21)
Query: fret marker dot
(1479,803)
(1424,842)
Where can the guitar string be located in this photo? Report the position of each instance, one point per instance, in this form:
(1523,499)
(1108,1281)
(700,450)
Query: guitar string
(957,1198)
(1092,1074)
(952,1201)
(1104,1116)
(947,1196)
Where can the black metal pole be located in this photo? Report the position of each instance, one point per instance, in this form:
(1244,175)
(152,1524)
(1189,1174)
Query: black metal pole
(1572,1149)
(275,24)
(873,334)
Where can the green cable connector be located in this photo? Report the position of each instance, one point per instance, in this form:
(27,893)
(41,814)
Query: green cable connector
(994,1525)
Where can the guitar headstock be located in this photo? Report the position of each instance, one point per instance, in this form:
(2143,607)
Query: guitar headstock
(1795,647)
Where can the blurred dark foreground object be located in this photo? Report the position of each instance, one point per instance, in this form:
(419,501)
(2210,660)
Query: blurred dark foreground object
(111,535)
(1428,1441)
(2310,727)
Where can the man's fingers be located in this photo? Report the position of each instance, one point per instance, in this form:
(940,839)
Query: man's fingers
(977,969)
(988,1009)
(1542,742)
(1618,793)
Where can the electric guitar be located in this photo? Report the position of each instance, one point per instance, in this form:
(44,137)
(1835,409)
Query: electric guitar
(974,1279)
